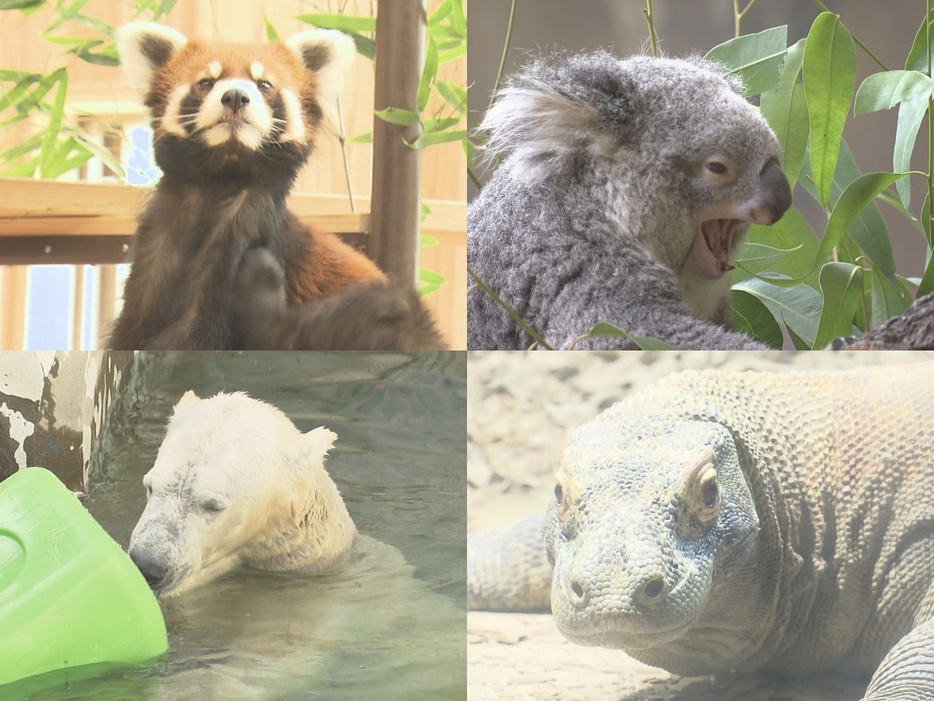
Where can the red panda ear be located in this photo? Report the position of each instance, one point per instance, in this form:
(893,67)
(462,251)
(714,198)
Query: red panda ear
(328,54)
(144,48)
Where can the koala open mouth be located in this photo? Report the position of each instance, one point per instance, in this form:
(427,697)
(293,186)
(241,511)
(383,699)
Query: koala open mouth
(713,250)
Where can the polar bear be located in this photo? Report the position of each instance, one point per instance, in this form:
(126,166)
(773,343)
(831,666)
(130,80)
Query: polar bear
(235,482)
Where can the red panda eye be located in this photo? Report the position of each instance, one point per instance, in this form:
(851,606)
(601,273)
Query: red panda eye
(206,83)
(264,85)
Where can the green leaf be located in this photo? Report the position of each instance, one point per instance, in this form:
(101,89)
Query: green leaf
(55,122)
(429,281)
(604,330)
(829,71)
(868,229)
(272,34)
(396,115)
(361,139)
(753,318)
(21,4)
(345,23)
(842,289)
(918,54)
(438,137)
(910,116)
(454,95)
(888,298)
(756,58)
(882,91)
(786,110)
(364,45)
(796,307)
(429,73)
(848,208)
(793,236)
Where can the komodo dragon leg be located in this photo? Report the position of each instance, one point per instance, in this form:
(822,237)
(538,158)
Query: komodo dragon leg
(907,671)
(508,569)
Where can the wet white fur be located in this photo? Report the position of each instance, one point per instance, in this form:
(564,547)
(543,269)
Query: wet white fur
(235,482)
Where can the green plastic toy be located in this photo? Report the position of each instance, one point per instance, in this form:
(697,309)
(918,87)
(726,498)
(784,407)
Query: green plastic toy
(69,595)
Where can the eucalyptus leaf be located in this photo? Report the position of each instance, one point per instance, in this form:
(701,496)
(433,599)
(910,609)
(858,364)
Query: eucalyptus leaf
(785,109)
(756,58)
(753,318)
(842,290)
(797,307)
(829,71)
(603,329)
(910,116)
(882,91)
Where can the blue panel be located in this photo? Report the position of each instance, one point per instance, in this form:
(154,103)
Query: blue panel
(48,307)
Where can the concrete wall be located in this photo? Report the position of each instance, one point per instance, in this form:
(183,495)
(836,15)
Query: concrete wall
(53,407)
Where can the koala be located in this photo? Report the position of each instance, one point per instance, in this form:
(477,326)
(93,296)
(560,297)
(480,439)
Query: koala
(625,189)
(366,316)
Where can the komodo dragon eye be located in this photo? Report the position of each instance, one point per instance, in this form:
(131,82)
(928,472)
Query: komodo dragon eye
(559,495)
(701,494)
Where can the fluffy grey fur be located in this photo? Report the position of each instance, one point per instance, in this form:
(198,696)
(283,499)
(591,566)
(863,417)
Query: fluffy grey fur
(611,168)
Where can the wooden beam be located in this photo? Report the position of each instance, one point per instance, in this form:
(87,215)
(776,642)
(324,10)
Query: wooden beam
(394,233)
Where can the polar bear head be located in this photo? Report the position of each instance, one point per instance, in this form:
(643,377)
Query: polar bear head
(235,482)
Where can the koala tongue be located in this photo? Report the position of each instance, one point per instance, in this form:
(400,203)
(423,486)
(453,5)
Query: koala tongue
(710,254)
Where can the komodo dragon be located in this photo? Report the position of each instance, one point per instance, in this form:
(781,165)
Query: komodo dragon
(739,521)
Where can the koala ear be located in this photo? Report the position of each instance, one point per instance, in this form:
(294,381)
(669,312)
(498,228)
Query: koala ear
(144,48)
(329,54)
(537,124)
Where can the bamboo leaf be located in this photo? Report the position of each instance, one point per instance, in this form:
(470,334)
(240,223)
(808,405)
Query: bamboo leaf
(396,115)
(345,23)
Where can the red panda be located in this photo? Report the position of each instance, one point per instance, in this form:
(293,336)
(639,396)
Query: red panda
(232,126)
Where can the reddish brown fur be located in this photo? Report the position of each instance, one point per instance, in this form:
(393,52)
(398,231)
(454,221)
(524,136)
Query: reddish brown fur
(179,291)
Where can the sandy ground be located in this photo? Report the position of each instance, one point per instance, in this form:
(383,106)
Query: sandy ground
(521,408)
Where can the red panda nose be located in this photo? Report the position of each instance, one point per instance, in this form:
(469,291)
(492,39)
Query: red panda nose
(235,99)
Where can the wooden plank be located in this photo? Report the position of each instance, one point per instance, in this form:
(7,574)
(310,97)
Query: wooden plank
(90,250)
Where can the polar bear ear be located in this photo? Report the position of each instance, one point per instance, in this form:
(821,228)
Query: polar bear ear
(318,441)
(188,398)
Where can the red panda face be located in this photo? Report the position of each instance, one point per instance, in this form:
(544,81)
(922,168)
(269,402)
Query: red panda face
(235,98)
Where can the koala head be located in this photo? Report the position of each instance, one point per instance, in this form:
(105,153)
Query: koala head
(669,147)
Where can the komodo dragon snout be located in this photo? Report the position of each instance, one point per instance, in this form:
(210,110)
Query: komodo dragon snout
(640,527)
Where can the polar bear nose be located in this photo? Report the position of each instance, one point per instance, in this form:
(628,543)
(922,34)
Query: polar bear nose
(154,570)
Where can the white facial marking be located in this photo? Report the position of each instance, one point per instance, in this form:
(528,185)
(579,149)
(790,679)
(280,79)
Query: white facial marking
(255,122)
(257,70)
(170,120)
(215,69)
(294,124)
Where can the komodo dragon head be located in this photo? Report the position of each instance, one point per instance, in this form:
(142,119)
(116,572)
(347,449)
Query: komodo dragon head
(646,528)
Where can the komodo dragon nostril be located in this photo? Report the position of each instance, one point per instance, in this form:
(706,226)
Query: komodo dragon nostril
(578,597)
(654,589)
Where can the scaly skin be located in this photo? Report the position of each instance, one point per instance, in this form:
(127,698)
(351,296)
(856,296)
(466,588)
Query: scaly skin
(721,521)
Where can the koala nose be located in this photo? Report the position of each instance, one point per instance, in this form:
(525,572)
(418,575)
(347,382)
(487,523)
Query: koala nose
(153,570)
(774,195)
(235,99)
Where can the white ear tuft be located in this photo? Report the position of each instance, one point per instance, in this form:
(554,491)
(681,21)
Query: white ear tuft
(145,47)
(320,440)
(188,398)
(537,125)
(329,54)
